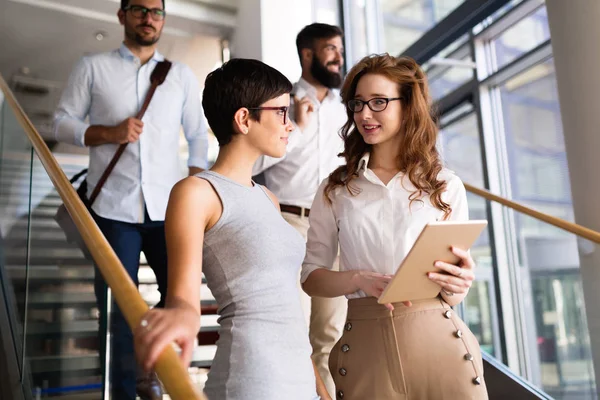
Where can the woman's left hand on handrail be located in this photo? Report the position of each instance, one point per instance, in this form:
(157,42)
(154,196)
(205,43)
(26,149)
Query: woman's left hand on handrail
(161,327)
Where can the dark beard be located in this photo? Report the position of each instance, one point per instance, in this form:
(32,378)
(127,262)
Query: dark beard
(332,80)
(133,35)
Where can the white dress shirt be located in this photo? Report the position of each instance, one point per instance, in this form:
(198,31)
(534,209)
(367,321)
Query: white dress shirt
(109,87)
(376,228)
(312,153)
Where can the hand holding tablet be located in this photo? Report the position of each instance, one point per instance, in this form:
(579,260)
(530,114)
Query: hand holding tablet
(411,281)
(454,278)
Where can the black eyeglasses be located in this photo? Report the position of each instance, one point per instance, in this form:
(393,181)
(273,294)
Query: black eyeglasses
(157,14)
(283,111)
(376,104)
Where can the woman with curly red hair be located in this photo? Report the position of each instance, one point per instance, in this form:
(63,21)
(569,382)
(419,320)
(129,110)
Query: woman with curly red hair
(373,208)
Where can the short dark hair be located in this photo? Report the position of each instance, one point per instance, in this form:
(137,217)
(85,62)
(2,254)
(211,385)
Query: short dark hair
(125,3)
(239,83)
(310,33)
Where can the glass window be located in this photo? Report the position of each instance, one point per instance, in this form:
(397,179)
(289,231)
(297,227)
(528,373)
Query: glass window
(554,310)
(460,147)
(534,139)
(358,31)
(449,69)
(496,15)
(549,268)
(326,11)
(523,36)
(405,21)
(450,79)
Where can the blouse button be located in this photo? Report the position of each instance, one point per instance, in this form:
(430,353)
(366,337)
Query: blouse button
(345,348)
(448,314)
(458,333)
(477,380)
(348,326)
(469,357)
(343,372)
(340,394)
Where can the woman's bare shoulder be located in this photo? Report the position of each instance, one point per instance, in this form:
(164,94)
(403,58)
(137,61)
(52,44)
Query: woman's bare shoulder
(194,189)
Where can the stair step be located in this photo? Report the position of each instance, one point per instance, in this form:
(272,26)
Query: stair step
(84,364)
(51,273)
(52,233)
(62,329)
(47,223)
(49,202)
(81,273)
(84,273)
(38,212)
(54,253)
(25,164)
(38,244)
(48,300)
(62,300)
(39,260)
(151,294)
(38,169)
(90,364)
(90,327)
(22,177)
(203,356)
(22,191)
(91,395)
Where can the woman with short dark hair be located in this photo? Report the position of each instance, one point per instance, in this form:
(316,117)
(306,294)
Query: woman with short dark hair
(223,224)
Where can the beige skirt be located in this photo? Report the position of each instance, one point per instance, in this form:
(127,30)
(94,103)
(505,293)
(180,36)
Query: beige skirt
(422,352)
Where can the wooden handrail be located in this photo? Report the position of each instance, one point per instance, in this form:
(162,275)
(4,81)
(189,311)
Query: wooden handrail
(578,230)
(168,367)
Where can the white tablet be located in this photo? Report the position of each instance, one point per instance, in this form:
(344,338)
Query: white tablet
(433,244)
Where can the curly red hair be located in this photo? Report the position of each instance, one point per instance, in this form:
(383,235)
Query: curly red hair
(419,158)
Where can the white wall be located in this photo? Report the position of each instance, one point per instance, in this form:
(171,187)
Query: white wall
(201,53)
(246,41)
(575,31)
(281,22)
(267,30)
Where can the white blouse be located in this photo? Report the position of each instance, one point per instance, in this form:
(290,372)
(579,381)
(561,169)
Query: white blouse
(376,228)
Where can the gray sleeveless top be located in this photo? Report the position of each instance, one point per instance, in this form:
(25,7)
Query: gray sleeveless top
(251,259)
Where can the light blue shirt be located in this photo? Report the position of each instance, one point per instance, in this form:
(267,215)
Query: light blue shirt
(108,88)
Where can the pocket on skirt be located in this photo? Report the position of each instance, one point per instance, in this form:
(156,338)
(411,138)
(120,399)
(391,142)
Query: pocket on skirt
(392,356)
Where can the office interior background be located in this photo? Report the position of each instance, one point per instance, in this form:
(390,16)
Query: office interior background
(491,70)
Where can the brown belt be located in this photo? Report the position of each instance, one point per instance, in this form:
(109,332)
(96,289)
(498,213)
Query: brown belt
(300,211)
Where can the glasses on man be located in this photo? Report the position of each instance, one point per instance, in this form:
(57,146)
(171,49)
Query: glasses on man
(157,14)
(376,104)
(283,111)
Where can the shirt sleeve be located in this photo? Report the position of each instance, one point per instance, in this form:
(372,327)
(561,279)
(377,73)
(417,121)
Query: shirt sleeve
(322,241)
(457,198)
(194,123)
(74,106)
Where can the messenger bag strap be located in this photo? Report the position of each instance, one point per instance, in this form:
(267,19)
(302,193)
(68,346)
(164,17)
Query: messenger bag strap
(159,74)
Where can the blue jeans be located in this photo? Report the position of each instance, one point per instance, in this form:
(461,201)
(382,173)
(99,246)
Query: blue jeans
(128,240)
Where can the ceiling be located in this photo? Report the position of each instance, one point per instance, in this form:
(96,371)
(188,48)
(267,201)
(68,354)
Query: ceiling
(41,40)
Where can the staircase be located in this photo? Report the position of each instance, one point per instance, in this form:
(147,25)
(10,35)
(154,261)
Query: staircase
(55,296)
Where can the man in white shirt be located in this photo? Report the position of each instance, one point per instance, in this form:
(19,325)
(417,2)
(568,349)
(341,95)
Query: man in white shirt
(108,89)
(312,154)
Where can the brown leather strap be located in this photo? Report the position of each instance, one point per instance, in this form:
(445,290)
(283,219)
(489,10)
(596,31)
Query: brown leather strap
(159,74)
(294,210)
